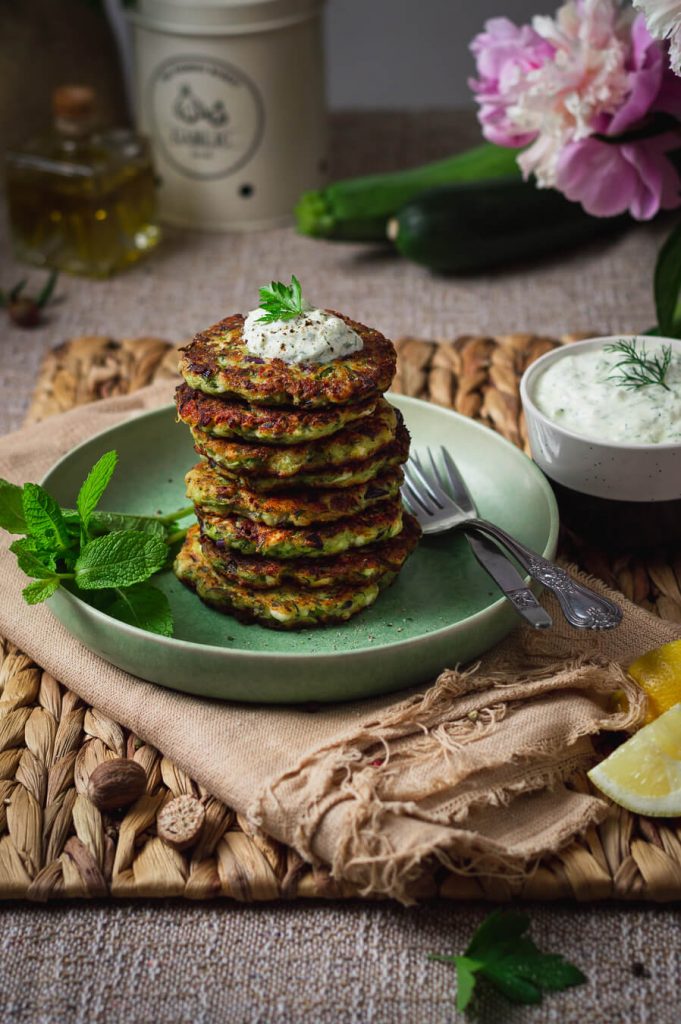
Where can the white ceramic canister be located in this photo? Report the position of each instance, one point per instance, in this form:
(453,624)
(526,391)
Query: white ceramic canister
(231,93)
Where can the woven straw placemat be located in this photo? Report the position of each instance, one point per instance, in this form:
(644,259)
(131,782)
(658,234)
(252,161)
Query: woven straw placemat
(55,843)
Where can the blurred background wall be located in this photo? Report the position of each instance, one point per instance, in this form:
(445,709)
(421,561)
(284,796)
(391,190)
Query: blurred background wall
(381,54)
(409,54)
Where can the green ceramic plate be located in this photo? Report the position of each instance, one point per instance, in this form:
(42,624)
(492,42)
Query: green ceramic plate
(443,609)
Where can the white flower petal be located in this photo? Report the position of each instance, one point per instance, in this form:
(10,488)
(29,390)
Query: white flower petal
(663,17)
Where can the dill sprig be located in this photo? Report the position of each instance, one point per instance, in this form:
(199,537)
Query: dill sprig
(281,301)
(638,368)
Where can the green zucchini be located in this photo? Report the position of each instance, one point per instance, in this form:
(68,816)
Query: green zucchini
(470,227)
(357,209)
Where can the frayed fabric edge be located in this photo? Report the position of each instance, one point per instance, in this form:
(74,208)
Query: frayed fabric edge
(323,781)
(366,858)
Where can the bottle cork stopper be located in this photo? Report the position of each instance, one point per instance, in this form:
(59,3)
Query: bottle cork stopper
(74,102)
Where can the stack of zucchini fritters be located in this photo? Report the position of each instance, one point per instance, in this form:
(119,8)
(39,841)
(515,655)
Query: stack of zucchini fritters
(297,493)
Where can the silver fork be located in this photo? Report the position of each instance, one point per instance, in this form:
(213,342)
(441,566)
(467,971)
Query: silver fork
(440,500)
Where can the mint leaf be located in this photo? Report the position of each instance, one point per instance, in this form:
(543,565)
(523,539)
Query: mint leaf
(144,606)
(109,522)
(102,522)
(44,519)
(11,508)
(40,590)
(498,927)
(119,559)
(667,286)
(548,970)
(94,486)
(465,981)
(512,984)
(33,560)
(506,958)
(466,969)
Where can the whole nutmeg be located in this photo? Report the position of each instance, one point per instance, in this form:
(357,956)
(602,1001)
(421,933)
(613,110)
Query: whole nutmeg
(179,823)
(116,783)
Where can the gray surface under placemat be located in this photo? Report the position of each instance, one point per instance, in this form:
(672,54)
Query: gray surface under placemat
(364,964)
(353,964)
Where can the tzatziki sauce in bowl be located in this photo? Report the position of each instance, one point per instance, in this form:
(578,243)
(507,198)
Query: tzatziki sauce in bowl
(604,424)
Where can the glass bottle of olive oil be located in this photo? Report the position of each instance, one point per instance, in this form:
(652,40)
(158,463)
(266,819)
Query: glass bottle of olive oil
(81,200)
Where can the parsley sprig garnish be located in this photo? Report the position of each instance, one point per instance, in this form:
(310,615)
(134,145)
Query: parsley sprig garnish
(638,368)
(281,301)
(111,555)
(502,954)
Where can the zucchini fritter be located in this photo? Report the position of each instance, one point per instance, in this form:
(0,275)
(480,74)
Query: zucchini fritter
(348,475)
(356,442)
(360,565)
(285,607)
(376,524)
(218,362)
(231,417)
(212,493)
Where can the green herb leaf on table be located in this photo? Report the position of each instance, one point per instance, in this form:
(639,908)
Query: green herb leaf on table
(637,367)
(145,606)
(94,486)
(12,516)
(40,590)
(499,927)
(281,301)
(667,286)
(18,288)
(119,559)
(45,293)
(502,954)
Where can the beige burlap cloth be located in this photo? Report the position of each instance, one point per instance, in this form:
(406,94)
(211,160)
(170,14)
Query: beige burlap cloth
(473,771)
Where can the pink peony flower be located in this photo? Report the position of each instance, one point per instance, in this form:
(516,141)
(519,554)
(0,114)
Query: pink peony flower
(663,18)
(608,178)
(504,54)
(586,78)
(562,84)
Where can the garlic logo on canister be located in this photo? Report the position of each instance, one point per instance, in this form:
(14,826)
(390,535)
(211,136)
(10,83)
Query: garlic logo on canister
(207,115)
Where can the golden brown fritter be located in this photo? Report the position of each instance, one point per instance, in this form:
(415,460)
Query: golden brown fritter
(212,493)
(358,565)
(358,441)
(348,475)
(376,524)
(218,362)
(285,607)
(231,417)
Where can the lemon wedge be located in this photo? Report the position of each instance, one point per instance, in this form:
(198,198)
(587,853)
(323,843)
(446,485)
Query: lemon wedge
(644,774)
(658,673)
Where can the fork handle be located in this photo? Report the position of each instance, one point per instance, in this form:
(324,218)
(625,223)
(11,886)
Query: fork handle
(582,607)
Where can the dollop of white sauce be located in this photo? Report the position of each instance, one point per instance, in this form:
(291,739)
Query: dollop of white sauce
(578,392)
(313,337)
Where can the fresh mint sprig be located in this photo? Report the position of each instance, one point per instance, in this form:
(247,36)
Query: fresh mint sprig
(94,486)
(111,555)
(637,367)
(502,954)
(281,301)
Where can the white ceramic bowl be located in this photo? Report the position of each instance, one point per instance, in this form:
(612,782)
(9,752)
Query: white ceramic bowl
(624,494)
